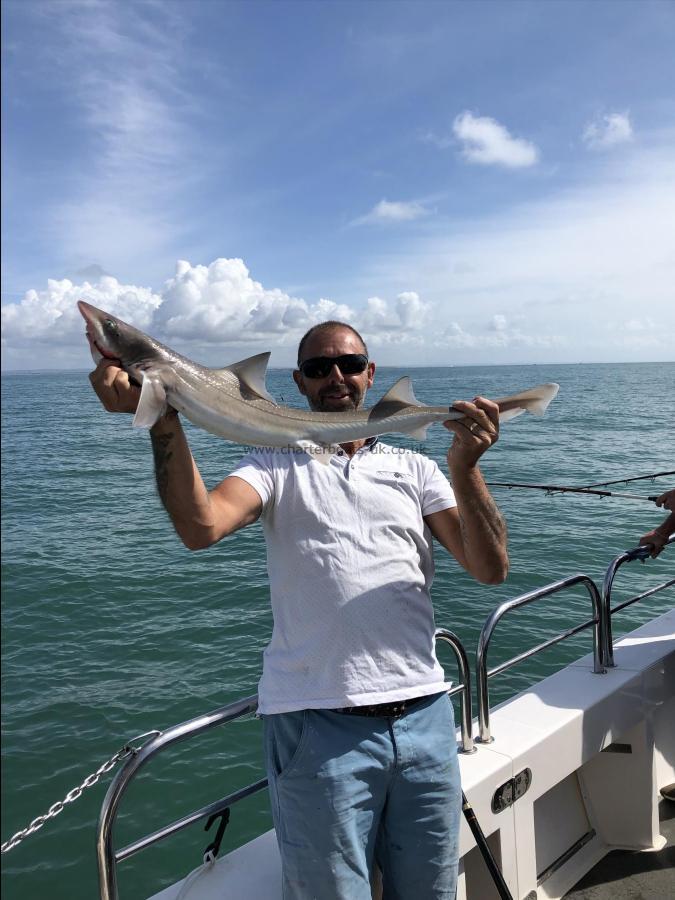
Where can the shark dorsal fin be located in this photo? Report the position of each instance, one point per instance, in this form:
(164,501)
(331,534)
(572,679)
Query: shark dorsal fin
(251,376)
(398,396)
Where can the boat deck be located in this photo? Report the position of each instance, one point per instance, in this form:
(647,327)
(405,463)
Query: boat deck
(633,875)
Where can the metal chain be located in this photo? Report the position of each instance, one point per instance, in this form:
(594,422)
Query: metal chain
(76,793)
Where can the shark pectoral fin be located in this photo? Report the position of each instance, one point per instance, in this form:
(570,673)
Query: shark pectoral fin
(534,401)
(251,375)
(152,403)
(320,452)
(419,433)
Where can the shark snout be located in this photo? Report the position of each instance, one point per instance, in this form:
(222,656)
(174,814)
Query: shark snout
(90,313)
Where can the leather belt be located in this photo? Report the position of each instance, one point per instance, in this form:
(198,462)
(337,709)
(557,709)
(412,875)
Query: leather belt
(392,710)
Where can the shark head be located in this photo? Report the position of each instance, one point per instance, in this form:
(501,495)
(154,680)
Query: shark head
(111,338)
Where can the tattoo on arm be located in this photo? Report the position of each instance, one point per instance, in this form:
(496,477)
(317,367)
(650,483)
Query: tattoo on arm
(491,518)
(162,454)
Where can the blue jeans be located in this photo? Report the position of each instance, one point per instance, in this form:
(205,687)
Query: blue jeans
(349,790)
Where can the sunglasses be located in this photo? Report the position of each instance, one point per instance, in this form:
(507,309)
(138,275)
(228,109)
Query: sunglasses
(321,366)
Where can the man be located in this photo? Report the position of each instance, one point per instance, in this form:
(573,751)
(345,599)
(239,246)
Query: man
(359,733)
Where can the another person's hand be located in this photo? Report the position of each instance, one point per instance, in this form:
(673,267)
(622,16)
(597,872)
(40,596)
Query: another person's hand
(113,388)
(658,536)
(667,500)
(657,539)
(475,433)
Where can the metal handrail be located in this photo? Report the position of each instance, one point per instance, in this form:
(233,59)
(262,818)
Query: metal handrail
(107,857)
(641,553)
(482,673)
(463,688)
(602,655)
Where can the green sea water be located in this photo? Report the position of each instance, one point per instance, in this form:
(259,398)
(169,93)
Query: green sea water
(111,628)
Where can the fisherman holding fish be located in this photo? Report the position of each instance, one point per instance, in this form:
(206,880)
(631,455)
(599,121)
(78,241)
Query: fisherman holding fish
(359,734)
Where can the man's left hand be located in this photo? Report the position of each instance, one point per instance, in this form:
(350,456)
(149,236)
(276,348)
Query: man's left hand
(475,433)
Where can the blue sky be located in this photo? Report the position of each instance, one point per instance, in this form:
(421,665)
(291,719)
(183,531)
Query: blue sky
(466,182)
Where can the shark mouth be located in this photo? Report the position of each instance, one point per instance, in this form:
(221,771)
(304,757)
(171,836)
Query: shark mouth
(97,351)
(96,348)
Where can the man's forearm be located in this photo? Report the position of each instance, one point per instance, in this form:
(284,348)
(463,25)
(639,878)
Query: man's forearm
(483,530)
(180,486)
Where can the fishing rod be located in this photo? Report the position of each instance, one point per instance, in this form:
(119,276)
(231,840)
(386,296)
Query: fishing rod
(490,861)
(626,480)
(561,489)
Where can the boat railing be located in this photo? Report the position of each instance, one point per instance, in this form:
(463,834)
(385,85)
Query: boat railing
(108,857)
(603,653)
(641,553)
(482,672)
(463,688)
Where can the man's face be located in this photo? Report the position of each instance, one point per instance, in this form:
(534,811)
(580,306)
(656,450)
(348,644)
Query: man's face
(336,392)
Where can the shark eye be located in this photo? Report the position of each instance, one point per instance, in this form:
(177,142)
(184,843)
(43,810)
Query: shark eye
(111,325)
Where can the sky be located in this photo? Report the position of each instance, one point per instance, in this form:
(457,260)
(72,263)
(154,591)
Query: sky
(464,182)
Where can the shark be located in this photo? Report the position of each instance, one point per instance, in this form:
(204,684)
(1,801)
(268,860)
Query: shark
(233,402)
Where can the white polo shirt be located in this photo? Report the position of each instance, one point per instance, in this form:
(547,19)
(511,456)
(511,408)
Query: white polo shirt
(350,565)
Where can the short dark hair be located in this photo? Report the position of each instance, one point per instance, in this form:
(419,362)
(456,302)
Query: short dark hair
(327,326)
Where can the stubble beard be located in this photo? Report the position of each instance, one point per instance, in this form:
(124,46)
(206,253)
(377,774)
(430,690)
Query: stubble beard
(353,402)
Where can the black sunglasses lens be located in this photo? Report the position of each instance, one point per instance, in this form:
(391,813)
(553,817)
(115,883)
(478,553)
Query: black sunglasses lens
(315,368)
(352,364)
(320,366)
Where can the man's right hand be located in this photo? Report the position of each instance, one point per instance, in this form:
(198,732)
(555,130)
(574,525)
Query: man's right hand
(113,388)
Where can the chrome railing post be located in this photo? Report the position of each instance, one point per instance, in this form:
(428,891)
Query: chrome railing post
(600,626)
(105,850)
(466,723)
(608,643)
(641,553)
(484,736)
(482,672)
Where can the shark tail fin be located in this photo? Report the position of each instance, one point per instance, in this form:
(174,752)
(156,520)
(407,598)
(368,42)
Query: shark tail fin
(536,401)
(152,403)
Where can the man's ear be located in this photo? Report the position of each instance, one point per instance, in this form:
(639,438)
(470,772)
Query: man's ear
(371,374)
(298,379)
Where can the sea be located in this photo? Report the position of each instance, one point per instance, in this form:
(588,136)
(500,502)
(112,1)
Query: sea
(111,628)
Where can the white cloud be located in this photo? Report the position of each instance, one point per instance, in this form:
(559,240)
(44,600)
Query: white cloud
(498,337)
(640,325)
(412,311)
(438,140)
(222,303)
(387,211)
(51,317)
(200,306)
(409,314)
(377,315)
(486,142)
(586,273)
(555,272)
(608,131)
